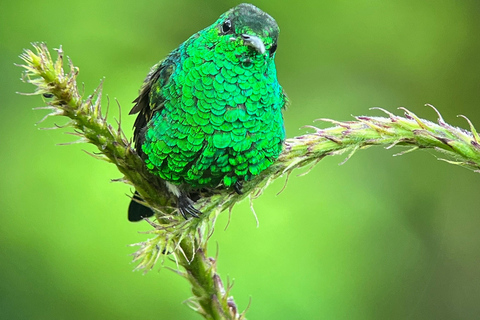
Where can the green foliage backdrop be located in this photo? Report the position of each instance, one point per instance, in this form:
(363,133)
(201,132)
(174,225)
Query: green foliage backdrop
(379,237)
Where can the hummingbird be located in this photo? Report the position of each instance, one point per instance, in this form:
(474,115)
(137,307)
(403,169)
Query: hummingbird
(210,113)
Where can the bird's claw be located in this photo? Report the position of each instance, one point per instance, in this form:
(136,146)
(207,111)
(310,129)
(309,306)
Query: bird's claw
(186,207)
(238,187)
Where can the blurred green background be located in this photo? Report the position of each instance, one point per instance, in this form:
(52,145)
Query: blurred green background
(379,237)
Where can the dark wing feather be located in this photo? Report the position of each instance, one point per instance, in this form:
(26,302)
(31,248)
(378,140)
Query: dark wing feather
(159,75)
(143,107)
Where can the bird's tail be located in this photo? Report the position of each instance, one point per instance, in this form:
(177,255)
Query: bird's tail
(138,211)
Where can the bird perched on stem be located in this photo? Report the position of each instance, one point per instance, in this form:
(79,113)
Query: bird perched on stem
(210,113)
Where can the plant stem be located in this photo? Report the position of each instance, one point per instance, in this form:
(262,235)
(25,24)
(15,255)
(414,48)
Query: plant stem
(186,241)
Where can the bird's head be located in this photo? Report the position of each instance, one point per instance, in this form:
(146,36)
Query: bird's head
(249,27)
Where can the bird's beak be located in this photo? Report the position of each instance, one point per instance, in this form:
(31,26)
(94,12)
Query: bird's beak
(254,42)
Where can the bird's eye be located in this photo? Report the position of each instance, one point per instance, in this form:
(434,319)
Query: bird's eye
(226,26)
(272,49)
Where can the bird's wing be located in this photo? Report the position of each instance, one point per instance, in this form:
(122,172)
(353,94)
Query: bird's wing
(158,76)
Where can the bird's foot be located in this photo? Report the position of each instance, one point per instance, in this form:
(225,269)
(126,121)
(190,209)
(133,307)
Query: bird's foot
(238,187)
(186,207)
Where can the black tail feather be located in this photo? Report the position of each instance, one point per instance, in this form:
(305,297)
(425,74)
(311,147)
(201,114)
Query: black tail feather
(137,211)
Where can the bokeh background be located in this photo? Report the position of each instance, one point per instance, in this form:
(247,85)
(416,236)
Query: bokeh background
(379,237)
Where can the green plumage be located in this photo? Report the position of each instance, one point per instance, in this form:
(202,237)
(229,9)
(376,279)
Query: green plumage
(211,112)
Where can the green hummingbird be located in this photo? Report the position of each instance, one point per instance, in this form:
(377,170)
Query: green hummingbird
(210,113)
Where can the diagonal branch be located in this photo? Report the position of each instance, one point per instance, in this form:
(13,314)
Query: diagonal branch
(186,241)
